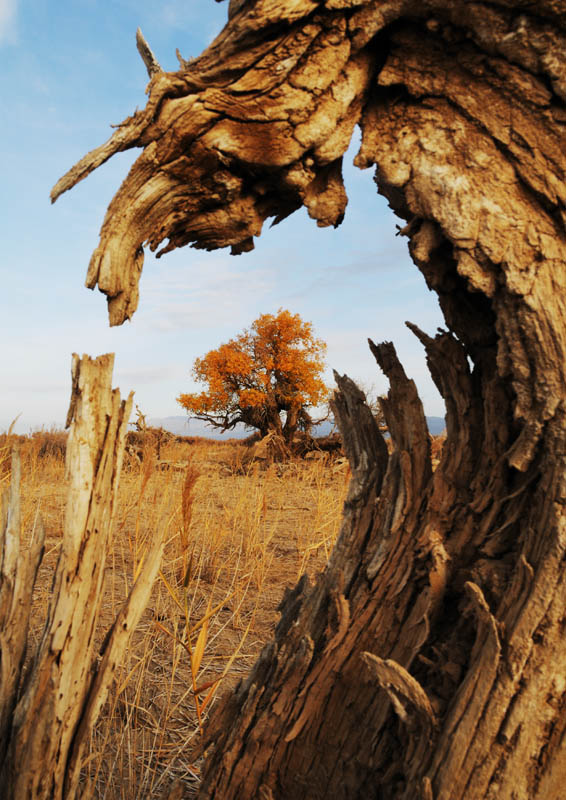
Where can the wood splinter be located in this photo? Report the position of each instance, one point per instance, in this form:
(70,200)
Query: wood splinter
(401,687)
(152,65)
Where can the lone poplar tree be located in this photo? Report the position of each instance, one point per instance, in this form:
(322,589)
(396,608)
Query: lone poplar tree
(266,378)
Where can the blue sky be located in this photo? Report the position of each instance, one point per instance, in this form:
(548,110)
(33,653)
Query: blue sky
(70,69)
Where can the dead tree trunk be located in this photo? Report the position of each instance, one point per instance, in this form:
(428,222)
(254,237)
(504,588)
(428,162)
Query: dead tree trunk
(45,718)
(428,659)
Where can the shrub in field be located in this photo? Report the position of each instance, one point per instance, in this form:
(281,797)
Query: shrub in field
(149,441)
(52,444)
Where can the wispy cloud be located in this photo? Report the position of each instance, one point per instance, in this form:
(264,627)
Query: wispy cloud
(197,297)
(363,266)
(147,375)
(24,387)
(8,11)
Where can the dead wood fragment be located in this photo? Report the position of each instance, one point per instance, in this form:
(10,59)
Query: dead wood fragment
(401,687)
(45,721)
(151,63)
(18,572)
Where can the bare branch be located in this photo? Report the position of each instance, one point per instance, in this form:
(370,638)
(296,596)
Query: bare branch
(152,65)
(183,62)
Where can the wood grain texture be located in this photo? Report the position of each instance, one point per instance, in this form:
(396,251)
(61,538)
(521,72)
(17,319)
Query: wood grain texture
(45,720)
(453,579)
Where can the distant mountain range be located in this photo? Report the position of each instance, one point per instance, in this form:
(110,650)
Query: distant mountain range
(182,426)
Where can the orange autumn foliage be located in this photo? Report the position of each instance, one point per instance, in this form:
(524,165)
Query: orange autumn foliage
(272,368)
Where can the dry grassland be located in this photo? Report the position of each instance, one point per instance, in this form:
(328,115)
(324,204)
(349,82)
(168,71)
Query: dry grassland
(237,534)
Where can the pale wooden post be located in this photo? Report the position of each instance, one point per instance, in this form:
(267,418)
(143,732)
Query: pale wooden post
(45,722)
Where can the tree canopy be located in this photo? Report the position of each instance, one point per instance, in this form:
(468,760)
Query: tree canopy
(273,367)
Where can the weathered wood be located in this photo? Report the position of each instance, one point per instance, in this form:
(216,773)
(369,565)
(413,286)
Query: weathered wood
(361,603)
(115,647)
(151,63)
(451,581)
(45,722)
(17,578)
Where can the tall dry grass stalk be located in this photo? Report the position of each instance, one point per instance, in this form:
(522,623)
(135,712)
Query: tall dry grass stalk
(187,500)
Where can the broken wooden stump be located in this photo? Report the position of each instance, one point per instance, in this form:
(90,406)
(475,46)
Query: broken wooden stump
(46,717)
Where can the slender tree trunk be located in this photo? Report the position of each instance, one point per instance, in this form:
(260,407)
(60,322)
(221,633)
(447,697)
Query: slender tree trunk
(427,660)
(291,425)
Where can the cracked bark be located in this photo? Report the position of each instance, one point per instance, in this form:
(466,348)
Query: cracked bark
(46,715)
(427,659)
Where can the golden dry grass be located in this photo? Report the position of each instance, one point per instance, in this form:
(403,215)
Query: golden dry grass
(237,534)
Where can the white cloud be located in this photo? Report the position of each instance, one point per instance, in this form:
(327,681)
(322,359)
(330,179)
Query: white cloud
(8,9)
(199,296)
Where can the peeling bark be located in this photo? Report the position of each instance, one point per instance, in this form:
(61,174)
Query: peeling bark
(46,718)
(427,660)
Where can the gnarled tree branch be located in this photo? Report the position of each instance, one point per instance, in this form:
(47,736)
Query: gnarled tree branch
(462,112)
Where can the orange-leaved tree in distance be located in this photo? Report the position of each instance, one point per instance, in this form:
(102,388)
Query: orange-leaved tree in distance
(266,378)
